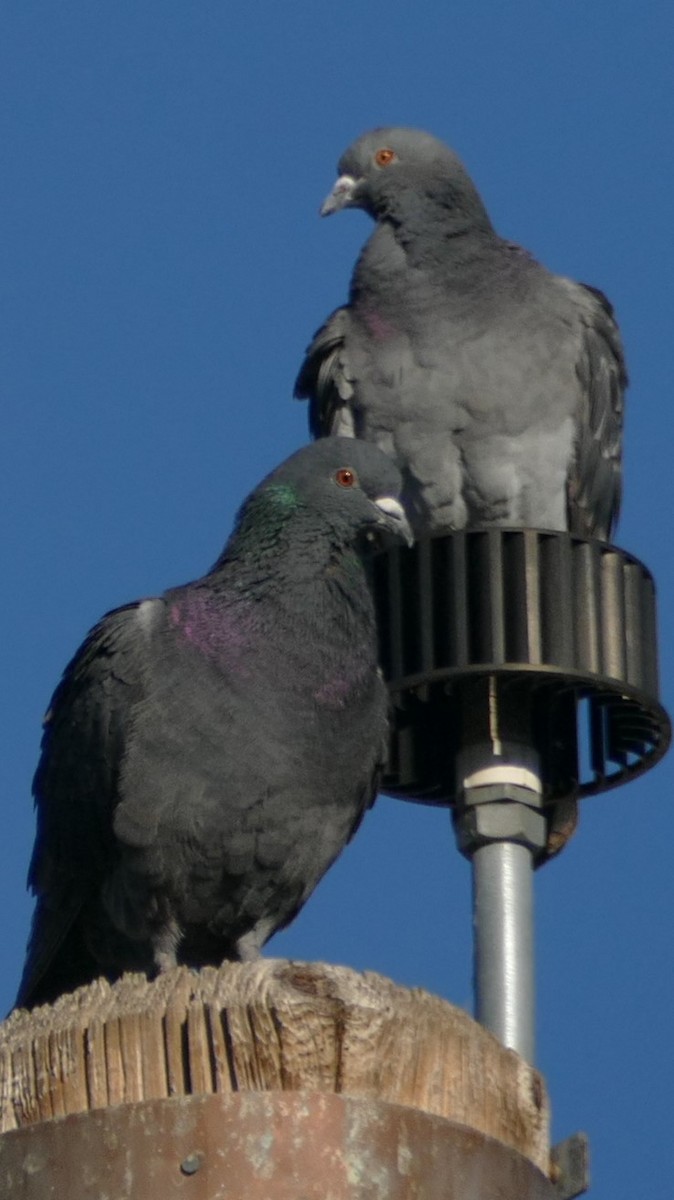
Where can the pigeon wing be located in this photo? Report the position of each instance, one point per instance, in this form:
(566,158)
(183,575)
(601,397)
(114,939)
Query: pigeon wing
(595,476)
(324,379)
(75,793)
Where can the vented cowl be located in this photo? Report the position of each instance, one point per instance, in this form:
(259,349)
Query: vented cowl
(565,626)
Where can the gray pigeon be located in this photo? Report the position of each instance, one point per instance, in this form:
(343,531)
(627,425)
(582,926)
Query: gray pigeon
(495,385)
(209,752)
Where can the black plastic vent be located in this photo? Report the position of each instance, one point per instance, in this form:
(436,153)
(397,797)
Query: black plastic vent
(565,624)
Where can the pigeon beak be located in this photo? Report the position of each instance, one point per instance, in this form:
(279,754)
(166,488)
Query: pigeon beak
(393,518)
(341,196)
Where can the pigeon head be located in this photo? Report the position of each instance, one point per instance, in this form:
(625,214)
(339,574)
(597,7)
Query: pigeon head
(342,484)
(394,173)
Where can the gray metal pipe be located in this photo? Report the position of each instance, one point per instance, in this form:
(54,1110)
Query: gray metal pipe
(500,826)
(503,909)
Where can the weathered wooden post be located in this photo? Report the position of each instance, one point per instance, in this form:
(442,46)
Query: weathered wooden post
(268,1081)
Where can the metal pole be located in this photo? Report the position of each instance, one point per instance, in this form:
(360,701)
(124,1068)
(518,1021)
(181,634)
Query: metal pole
(503,911)
(500,826)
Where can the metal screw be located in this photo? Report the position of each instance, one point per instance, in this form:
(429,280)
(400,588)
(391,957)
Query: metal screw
(191,1164)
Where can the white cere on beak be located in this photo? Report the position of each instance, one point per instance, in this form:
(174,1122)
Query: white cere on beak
(397,517)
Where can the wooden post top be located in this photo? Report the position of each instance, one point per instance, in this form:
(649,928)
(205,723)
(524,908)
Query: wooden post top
(268,1026)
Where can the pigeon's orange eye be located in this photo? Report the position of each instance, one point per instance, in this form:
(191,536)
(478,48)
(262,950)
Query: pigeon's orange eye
(384,156)
(346,477)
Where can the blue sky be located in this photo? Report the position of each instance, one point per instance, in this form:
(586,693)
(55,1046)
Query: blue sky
(162,269)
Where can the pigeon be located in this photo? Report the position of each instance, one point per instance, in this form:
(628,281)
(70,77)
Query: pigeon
(209,752)
(495,385)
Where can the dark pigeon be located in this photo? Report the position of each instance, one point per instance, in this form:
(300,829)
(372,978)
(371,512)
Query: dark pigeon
(495,385)
(208,753)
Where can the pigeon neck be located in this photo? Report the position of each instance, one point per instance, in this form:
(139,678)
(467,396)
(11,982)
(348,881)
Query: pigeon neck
(444,251)
(436,205)
(289,561)
(314,595)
